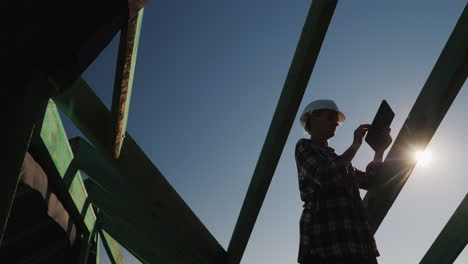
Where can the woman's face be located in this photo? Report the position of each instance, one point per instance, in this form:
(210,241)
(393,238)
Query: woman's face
(324,124)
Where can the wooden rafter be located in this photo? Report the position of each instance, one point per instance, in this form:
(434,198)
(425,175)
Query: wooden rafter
(91,116)
(313,33)
(126,61)
(435,99)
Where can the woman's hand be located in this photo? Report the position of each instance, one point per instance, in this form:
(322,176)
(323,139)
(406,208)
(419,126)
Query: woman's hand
(386,139)
(373,167)
(359,134)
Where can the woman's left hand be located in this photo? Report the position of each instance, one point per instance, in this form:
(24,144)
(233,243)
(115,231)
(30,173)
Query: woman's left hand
(373,167)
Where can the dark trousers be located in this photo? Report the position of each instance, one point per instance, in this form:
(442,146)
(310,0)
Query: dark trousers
(319,260)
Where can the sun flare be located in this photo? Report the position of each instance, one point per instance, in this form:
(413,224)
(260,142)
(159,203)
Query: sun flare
(422,157)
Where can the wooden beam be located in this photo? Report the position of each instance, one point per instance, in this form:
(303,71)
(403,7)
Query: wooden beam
(120,230)
(112,205)
(102,187)
(26,110)
(142,234)
(119,219)
(112,248)
(452,240)
(55,155)
(101,168)
(313,34)
(87,246)
(126,61)
(435,99)
(96,248)
(91,116)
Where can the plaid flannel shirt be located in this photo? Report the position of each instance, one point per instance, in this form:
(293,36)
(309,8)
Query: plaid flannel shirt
(334,221)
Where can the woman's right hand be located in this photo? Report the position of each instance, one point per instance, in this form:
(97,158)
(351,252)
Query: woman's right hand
(359,134)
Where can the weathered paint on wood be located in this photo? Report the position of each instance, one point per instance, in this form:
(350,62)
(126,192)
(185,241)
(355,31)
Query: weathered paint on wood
(126,61)
(435,99)
(55,145)
(452,240)
(28,110)
(313,33)
(51,144)
(90,115)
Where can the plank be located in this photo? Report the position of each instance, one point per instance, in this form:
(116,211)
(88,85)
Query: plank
(52,148)
(112,248)
(436,97)
(101,168)
(122,222)
(313,34)
(55,155)
(102,186)
(126,61)
(91,116)
(118,229)
(452,239)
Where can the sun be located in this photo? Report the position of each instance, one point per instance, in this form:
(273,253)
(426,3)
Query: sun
(423,158)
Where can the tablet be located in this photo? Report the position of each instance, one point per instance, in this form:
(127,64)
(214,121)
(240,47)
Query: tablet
(382,119)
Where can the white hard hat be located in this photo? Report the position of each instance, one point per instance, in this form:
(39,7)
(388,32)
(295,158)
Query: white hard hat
(319,105)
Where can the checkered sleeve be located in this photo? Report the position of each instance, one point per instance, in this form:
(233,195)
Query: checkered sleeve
(318,170)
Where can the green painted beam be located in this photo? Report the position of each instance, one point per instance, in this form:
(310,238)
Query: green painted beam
(26,110)
(52,149)
(112,248)
(96,248)
(55,155)
(452,240)
(148,240)
(113,205)
(313,34)
(118,229)
(126,61)
(91,116)
(102,190)
(87,246)
(120,219)
(435,99)
(101,168)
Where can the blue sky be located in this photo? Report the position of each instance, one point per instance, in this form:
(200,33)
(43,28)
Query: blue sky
(209,75)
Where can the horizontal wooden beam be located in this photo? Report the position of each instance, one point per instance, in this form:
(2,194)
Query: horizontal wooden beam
(91,116)
(435,99)
(452,240)
(313,34)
